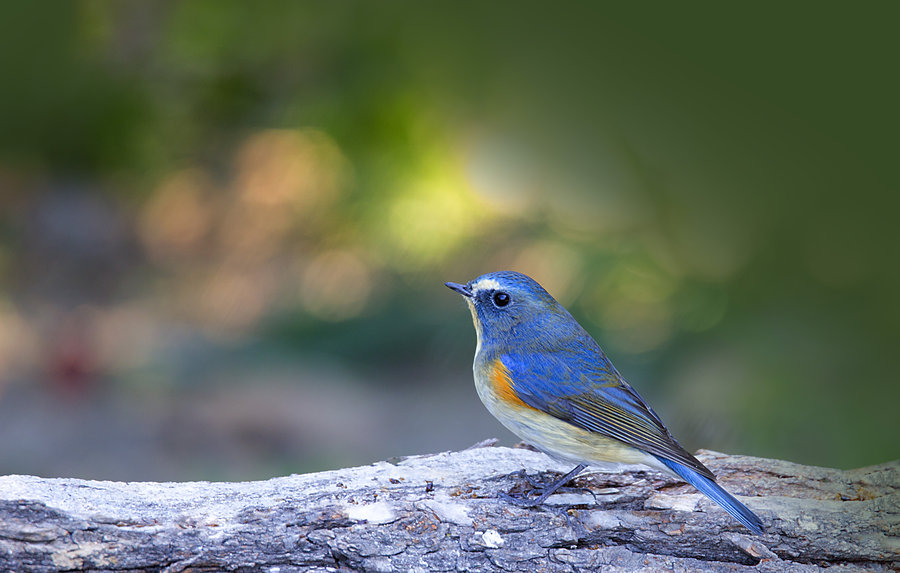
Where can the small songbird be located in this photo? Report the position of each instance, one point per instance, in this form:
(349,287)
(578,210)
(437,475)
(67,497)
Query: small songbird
(543,376)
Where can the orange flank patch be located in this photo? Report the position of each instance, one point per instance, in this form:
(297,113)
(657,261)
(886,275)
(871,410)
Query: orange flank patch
(502,384)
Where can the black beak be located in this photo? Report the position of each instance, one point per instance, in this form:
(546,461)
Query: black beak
(461,289)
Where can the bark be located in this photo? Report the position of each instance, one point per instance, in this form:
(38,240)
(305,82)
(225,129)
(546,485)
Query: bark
(441,513)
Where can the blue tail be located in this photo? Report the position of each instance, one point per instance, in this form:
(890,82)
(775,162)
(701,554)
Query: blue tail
(714,491)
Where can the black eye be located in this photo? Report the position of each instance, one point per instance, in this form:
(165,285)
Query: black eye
(501,299)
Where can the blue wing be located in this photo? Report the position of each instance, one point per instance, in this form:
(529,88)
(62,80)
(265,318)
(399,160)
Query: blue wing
(580,385)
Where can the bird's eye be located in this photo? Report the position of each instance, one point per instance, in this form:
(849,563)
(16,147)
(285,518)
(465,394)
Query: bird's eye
(500,299)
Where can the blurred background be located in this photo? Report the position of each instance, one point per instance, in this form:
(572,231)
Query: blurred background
(225,226)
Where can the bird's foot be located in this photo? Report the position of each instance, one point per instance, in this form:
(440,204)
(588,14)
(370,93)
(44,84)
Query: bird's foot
(541,490)
(518,499)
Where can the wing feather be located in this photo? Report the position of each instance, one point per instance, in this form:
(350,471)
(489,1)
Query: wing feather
(593,396)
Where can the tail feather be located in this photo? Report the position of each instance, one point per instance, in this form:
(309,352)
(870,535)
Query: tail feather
(714,491)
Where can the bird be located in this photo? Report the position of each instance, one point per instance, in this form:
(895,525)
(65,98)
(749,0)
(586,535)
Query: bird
(548,381)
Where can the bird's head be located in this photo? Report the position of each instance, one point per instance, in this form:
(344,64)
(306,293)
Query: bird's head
(511,308)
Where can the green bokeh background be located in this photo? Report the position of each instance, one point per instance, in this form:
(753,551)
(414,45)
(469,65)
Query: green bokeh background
(224,226)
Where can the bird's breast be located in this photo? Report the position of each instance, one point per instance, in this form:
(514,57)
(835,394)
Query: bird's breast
(497,392)
(497,382)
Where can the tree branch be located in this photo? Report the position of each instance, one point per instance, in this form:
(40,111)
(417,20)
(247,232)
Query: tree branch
(441,513)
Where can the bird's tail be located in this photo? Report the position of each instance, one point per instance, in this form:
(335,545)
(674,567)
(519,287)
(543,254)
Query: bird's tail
(714,491)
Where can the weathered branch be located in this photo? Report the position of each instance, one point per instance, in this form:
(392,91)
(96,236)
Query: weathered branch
(441,513)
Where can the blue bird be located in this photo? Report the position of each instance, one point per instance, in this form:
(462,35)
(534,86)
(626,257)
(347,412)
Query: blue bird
(543,376)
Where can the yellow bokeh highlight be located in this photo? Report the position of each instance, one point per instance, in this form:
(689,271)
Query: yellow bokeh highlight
(178,216)
(431,218)
(231,243)
(556,266)
(298,169)
(502,171)
(336,285)
(285,181)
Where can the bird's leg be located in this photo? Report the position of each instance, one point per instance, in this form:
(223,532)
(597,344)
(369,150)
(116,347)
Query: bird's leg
(539,485)
(547,491)
(532,481)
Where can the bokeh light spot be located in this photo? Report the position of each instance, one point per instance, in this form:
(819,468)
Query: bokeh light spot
(431,219)
(336,285)
(175,220)
(501,171)
(301,169)
(556,266)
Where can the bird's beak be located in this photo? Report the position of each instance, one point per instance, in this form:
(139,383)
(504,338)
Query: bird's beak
(461,289)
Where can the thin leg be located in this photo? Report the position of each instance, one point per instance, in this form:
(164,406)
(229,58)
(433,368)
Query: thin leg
(548,491)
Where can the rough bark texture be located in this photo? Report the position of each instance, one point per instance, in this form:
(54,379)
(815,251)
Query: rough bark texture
(441,513)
